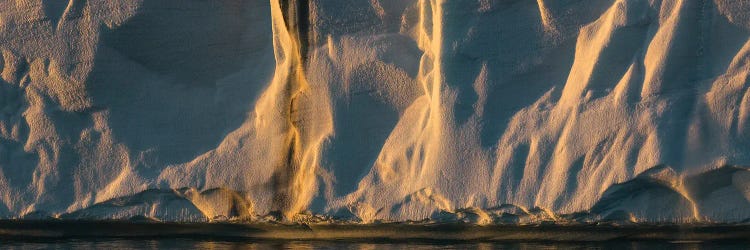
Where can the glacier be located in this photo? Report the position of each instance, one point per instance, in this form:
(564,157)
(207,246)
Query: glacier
(479,111)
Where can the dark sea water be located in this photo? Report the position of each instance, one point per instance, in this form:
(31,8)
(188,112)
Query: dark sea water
(153,235)
(188,243)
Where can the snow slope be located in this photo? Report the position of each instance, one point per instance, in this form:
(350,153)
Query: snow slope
(484,111)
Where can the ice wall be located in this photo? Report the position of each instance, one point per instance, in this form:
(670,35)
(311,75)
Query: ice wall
(376,109)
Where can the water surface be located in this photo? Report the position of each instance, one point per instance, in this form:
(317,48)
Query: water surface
(192,243)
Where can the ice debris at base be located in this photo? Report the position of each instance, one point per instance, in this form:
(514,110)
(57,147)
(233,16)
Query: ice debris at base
(656,196)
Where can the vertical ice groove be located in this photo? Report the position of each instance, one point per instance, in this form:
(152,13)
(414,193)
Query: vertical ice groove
(546,16)
(291,177)
(431,77)
(420,123)
(411,156)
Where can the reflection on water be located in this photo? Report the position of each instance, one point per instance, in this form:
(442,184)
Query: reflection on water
(185,243)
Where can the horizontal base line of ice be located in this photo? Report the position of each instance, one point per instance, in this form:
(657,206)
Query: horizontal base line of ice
(19,230)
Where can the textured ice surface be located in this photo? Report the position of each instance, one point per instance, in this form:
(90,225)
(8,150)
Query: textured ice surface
(483,111)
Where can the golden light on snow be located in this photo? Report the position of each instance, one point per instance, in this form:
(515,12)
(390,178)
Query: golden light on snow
(448,110)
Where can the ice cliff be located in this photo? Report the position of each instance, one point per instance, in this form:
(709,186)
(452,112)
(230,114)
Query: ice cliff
(484,111)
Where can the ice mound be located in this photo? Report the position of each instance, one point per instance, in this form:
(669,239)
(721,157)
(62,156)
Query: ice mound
(185,205)
(150,204)
(659,195)
(722,194)
(653,195)
(375,110)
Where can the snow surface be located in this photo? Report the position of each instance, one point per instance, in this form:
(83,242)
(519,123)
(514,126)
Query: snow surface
(482,111)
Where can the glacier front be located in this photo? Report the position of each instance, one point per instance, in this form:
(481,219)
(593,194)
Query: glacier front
(482,111)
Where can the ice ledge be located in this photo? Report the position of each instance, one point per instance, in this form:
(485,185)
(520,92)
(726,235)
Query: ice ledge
(658,195)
